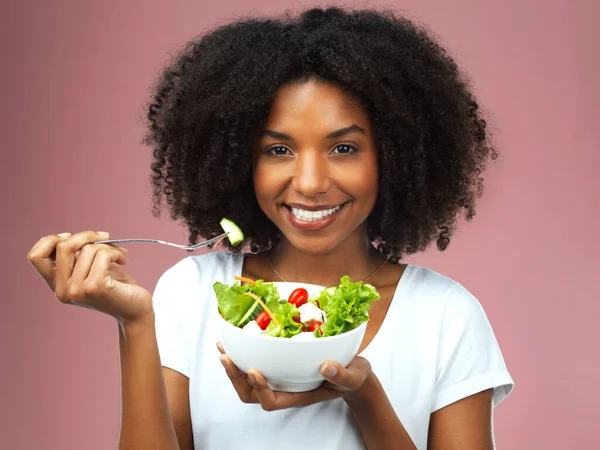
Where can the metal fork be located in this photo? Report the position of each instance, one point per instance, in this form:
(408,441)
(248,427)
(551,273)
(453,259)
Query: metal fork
(156,241)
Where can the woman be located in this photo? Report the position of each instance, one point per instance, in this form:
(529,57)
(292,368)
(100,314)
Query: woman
(339,141)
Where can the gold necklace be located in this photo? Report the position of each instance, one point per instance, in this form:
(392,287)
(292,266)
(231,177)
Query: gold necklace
(283,279)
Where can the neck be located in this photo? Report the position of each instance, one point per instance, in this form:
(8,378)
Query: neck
(355,257)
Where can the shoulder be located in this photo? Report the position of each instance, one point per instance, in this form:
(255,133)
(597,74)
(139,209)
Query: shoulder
(190,270)
(432,286)
(458,316)
(182,285)
(425,288)
(426,279)
(443,303)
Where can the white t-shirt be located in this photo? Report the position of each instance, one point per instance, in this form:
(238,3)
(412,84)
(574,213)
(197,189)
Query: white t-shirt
(434,347)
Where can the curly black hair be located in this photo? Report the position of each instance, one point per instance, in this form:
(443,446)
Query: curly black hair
(211,103)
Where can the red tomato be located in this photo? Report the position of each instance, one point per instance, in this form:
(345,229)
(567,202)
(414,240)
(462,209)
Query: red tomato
(263,320)
(314,325)
(296,319)
(298,297)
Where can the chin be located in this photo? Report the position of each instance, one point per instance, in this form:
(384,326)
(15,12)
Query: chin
(314,245)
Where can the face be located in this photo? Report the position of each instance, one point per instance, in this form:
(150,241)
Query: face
(315,168)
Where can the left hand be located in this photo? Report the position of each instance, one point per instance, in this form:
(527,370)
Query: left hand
(340,382)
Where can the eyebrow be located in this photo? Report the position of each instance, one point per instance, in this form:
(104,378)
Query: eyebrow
(332,135)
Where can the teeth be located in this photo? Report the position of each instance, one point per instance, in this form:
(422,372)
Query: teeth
(311,216)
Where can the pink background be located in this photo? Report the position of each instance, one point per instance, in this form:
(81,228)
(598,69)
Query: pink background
(75,77)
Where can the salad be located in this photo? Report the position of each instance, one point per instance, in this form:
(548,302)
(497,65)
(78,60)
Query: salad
(257,307)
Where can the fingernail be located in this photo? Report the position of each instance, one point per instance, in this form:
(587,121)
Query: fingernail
(64,235)
(329,371)
(103,234)
(223,360)
(251,378)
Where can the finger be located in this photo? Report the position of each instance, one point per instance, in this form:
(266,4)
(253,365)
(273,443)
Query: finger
(41,256)
(264,394)
(99,279)
(65,255)
(121,249)
(349,378)
(220,347)
(87,254)
(274,400)
(240,383)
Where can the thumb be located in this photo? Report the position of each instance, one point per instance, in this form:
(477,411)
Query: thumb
(349,378)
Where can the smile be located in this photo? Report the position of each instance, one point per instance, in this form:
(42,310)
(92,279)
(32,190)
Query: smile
(313,216)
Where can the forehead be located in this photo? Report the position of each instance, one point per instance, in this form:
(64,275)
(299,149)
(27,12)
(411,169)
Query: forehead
(314,105)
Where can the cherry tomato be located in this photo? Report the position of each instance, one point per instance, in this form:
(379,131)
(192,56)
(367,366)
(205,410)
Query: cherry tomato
(296,319)
(314,325)
(298,297)
(263,320)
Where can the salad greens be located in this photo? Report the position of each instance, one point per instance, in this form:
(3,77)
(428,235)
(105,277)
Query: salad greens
(284,313)
(233,304)
(345,307)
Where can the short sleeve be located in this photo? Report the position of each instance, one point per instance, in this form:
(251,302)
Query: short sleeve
(174,344)
(469,358)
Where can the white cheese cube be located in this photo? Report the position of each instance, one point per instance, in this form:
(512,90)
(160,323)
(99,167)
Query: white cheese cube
(309,312)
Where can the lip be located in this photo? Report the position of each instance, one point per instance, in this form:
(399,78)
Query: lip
(312,225)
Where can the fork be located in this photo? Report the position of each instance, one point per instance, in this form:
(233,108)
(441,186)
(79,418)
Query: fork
(184,247)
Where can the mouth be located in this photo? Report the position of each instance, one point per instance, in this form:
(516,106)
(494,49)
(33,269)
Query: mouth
(311,217)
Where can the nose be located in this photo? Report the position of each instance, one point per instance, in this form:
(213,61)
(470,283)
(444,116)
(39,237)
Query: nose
(311,174)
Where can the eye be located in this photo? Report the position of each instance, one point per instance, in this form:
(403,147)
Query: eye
(278,150)
(344,149)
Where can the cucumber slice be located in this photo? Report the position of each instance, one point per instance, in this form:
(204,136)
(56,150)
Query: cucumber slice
(235,234)
(251,314)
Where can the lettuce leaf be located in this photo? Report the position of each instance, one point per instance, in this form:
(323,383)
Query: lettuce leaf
(267,292)
(345,306)
(234,305)
(284,313)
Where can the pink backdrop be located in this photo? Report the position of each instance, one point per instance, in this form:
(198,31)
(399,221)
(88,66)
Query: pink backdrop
(74,81)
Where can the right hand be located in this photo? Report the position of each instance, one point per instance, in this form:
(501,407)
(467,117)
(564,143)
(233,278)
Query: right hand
(90,275)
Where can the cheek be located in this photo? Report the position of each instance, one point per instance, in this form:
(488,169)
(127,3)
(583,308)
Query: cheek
(259,182)
(365,181)
(266,183)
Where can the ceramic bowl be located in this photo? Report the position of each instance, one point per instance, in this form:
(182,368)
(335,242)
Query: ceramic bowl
(290,365)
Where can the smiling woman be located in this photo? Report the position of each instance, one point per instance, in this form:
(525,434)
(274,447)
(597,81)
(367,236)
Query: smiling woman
(339,141)
(315,168)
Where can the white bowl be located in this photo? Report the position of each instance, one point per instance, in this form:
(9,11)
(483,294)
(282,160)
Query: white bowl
(289,365)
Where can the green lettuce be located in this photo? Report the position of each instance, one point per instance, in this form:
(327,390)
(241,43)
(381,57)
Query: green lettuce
(233,304)
(345,306)
(284,313)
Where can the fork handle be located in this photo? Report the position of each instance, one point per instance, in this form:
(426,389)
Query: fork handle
(115,241)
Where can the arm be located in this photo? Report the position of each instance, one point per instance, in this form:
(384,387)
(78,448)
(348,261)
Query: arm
(178,386)
(379,426)
(463,425)
(147,421)
(90,275)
